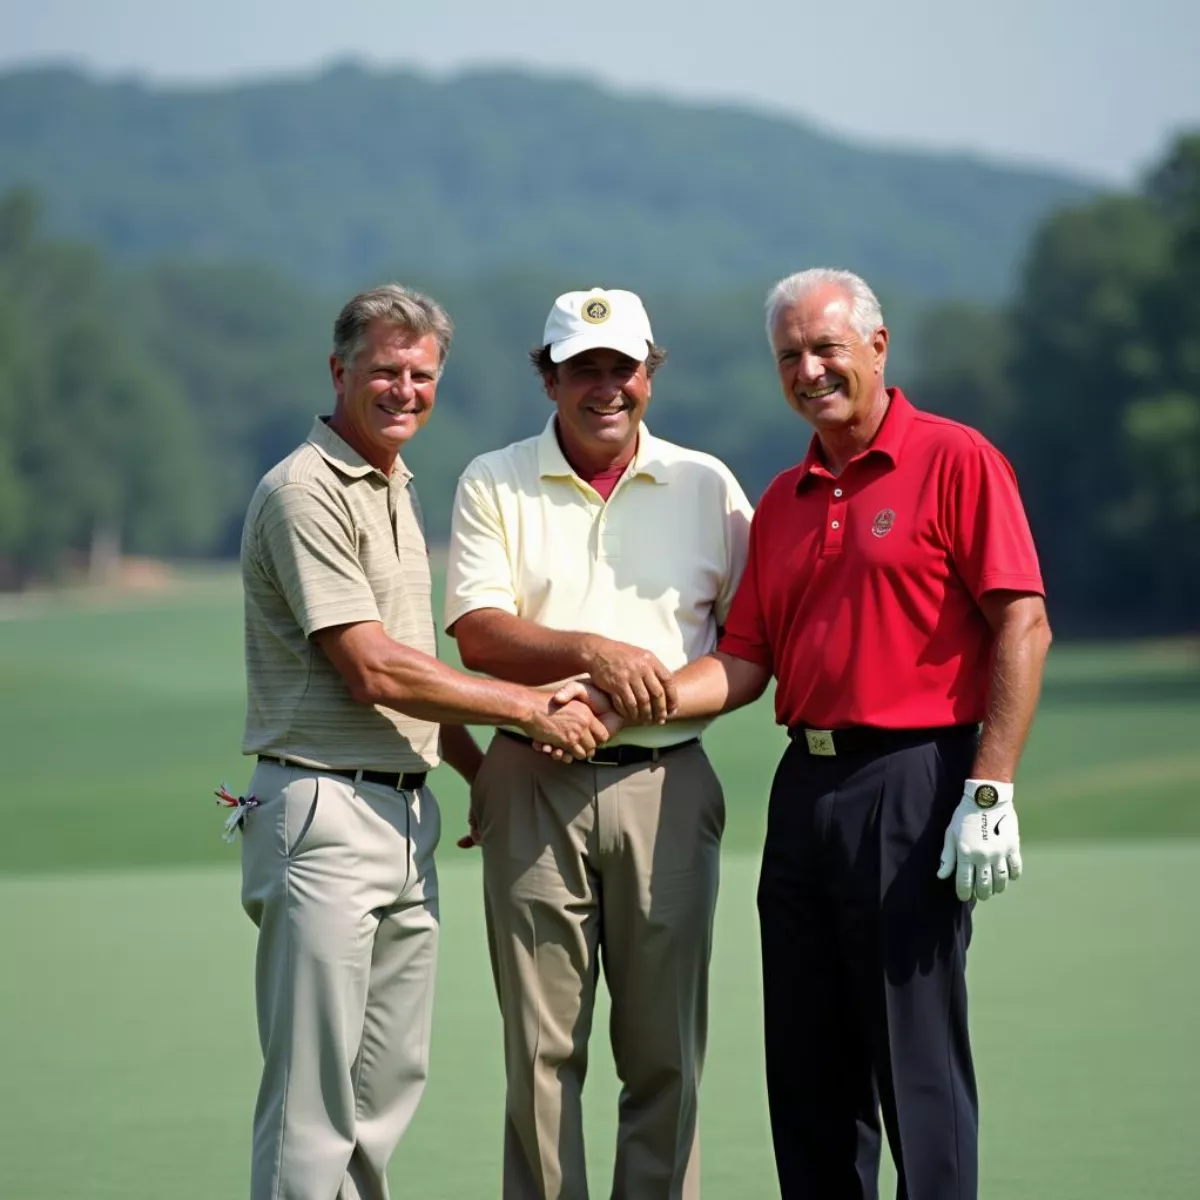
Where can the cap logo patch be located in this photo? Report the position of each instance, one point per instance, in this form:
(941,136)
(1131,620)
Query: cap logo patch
(884,520)
(596,311)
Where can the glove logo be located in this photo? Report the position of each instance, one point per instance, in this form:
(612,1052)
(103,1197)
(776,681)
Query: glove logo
(997,829)
(986,796)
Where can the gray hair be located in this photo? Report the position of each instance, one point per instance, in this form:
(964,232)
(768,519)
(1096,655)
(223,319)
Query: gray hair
(865,314)
(412,310)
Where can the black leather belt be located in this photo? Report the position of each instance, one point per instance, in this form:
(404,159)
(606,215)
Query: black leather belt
(400,781)
(866,739)
(616,756)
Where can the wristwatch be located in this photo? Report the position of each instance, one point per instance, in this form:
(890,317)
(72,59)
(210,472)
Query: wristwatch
(986,796)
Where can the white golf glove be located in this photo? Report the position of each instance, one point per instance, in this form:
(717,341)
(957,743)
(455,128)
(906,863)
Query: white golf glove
(982,840)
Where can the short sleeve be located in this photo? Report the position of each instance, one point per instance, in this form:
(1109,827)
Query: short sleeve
(478,574)
(991,543)
(738,514)
(745,628)
(307,547)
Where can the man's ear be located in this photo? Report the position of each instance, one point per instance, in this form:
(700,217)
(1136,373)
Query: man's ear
(337,373)
(879,343)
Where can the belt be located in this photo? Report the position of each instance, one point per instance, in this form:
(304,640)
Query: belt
(400,781)
(616,756)
(866,739)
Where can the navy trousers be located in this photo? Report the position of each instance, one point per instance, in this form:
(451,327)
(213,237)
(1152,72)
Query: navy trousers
(864,959)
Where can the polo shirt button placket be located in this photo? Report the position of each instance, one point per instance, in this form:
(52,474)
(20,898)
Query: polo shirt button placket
(608,540)
(837,522)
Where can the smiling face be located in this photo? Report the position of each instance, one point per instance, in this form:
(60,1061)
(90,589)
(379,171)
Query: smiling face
(831,375)
(386,393)
(601,396)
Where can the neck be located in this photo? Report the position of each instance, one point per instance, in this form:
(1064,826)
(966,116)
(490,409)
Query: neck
(842,444)
(380,460)
(587,460)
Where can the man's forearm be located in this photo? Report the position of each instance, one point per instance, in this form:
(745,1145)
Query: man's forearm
(435,692)
(381,671)
(519,650)
(461,751)
(717,683)
(1016,684)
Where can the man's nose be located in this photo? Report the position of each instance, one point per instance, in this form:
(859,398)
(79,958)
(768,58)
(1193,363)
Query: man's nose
(610,385)
(811,367)
(404,386)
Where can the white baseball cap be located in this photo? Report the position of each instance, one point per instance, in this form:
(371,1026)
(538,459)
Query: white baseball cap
(597,319)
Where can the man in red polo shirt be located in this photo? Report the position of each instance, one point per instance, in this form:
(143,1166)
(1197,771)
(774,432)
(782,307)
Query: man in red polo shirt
(893,590)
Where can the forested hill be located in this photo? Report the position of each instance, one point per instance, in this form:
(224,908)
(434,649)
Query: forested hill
(358,174)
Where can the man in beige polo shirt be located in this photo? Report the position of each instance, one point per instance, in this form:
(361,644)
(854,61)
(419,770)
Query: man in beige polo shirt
(596,547)
(347,703)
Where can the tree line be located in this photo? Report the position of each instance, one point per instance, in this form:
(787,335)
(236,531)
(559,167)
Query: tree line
(139,406)
(453,177)
(1090,380)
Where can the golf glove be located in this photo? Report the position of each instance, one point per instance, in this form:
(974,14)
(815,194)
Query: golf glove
(982,841)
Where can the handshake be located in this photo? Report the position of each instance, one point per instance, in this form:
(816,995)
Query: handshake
(625,686)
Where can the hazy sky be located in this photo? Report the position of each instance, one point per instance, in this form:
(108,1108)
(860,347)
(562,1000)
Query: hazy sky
(1096,86)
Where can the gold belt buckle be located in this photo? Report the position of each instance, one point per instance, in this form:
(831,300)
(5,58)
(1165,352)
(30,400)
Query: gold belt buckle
(820,742)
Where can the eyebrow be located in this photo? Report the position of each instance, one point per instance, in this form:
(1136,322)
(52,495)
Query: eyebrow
(395,368)
(819,338)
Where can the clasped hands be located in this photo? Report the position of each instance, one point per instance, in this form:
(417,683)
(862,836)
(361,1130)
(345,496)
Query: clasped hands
(625,685)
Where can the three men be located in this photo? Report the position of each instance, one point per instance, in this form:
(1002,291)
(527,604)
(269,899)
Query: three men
(597,548)
(347,704)
(893,590)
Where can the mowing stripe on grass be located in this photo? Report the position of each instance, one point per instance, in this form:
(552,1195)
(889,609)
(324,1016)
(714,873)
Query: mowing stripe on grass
(130,1057)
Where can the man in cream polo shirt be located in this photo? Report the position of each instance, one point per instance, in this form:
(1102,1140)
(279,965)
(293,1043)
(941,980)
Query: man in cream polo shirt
(597,548)
(347,704)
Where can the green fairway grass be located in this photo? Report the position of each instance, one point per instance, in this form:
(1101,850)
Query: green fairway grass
(118,723)
(130,1059)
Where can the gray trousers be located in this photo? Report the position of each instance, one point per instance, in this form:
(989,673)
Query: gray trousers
(340,880)
(588,867)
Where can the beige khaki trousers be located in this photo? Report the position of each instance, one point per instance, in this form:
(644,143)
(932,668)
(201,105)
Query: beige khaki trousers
(588,868)
(340,880)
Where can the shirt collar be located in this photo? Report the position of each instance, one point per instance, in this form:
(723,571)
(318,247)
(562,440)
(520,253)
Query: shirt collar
(346,460)
(889,440)
(648,459)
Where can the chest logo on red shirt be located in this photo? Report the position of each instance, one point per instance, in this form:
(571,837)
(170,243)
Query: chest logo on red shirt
(885,518)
